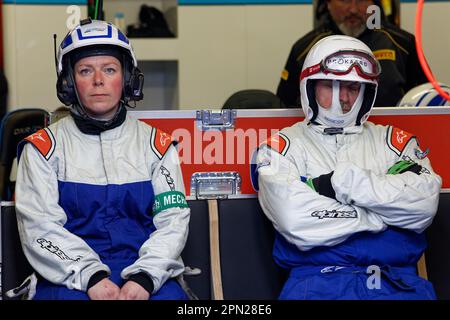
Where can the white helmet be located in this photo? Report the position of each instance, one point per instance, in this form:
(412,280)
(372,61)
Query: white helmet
(93,38)
(425,95)
(342,58)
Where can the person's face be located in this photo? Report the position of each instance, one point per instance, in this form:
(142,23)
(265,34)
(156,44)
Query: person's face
(99,85)
(349,15)
(348,92)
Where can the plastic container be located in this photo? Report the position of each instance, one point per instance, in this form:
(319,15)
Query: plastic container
(119,21)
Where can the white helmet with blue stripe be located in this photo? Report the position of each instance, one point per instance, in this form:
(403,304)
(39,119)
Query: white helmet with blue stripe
(92,34)
(93,38)
(425,95)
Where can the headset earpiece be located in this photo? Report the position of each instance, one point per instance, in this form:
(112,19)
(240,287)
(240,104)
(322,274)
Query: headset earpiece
(65,89)
(133,82)
(136,85)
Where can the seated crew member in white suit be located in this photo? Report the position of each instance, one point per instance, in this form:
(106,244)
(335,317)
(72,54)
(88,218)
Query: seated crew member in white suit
(100,196)
(349,199)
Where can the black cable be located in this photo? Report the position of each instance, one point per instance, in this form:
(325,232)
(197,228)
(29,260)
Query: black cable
(100,10)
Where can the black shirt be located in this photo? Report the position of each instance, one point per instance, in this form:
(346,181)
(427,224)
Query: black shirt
(3,94)
(394,48)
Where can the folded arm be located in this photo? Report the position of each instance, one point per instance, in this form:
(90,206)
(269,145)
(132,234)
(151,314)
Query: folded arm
(406,199)
(303,216)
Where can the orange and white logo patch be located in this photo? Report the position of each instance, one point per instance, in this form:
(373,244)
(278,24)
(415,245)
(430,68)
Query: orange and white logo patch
(160,142)
(398,139)
(279,142)
(43,141)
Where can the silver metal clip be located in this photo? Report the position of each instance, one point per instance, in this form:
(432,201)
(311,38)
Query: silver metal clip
(215,185)
(215,120)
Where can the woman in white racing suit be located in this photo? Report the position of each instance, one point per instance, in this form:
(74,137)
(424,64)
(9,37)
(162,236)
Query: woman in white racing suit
(349,199)
(100,197)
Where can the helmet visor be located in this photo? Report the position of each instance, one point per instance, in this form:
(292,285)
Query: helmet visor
(343,62)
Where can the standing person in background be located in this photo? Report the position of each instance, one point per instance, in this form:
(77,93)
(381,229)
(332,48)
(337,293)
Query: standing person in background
(350,200)
(392,46)
(99,196)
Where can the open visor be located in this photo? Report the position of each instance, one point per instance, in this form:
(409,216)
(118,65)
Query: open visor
(343,62)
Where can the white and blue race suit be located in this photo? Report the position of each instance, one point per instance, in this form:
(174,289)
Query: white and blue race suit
(373,226)
(112,202)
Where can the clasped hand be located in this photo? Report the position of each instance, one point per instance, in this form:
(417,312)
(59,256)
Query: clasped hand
(108,290)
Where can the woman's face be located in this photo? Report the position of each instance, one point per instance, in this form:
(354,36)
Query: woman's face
(99,85)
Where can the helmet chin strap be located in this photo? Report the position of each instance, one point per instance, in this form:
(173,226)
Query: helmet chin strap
(80,110)
(334,117)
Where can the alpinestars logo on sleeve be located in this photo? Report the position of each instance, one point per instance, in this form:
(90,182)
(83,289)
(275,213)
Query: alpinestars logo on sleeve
(423,170)
(334,214)
(46,244)
(169,179)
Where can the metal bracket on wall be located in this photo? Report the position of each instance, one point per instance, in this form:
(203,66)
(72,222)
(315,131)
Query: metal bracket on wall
(215,185)
(215,120)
